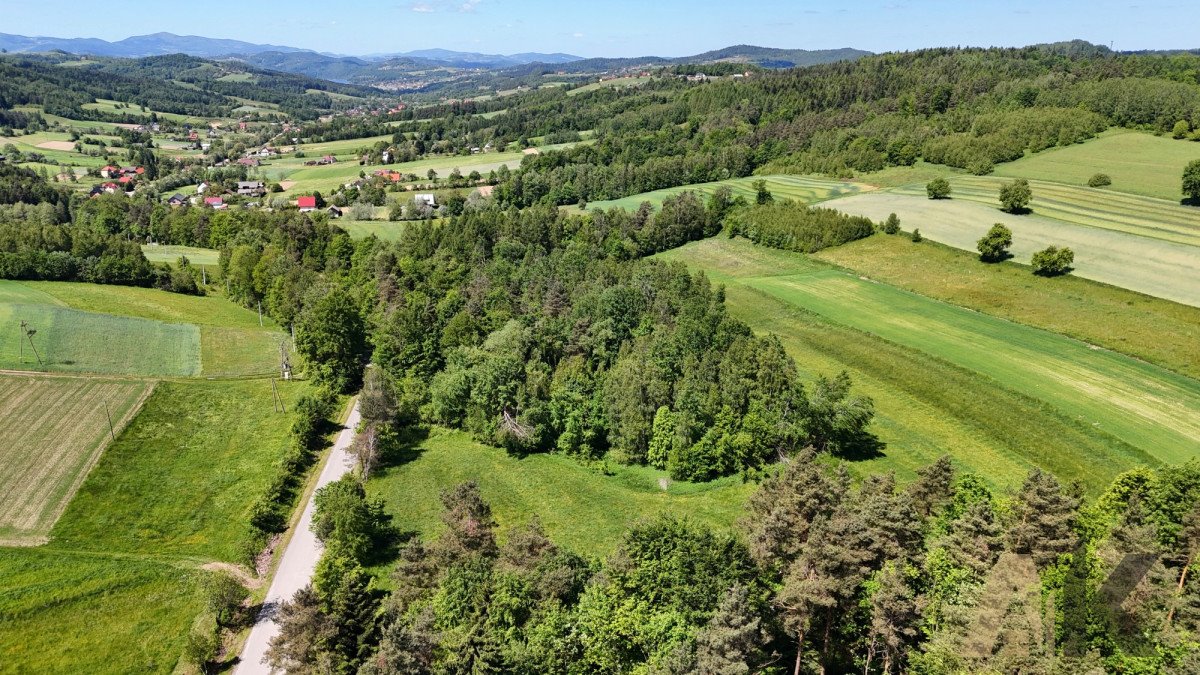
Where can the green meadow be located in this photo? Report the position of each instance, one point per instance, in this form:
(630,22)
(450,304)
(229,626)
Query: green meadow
(800,188)
(1146,264)
(1138,163)
(580,506)
(1013,394)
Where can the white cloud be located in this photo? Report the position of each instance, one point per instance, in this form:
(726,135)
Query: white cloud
(422,7)
(578,35)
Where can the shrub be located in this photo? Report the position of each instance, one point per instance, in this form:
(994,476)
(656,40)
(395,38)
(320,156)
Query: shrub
(1099,180)
(892,224)
(1052,261)
(938,188)
(916,236)
(1015,196)
(794,227)
(993,247)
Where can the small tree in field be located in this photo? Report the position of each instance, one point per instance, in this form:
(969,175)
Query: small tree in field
(1015,196)
(993,247)
(938,188)
(1191,182)
(1052,261)
(1181,129)
(761,194)
(1099,180)
(916,236)
(892,224)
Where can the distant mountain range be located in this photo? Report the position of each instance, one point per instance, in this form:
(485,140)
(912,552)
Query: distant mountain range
(410,70)
(139,46)
(193,45)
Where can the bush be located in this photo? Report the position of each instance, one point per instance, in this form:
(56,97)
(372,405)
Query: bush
(224,595)
(916,236)
(1015,196)
(1052,261)
(1099,180)
(1191,181)
(312,411)
(993,247)
(938,188)
(891,225)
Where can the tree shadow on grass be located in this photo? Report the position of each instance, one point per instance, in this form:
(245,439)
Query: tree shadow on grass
(400,448)
(862,447)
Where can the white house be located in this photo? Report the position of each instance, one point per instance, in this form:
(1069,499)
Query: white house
(201,188)
(426,198)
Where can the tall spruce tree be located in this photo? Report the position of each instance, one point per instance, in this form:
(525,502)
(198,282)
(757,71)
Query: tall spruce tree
(1043,519)
(731,643)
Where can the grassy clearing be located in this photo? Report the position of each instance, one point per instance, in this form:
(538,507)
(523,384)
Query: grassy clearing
(170,254)
(181,479)
(66,612)
(1159,331)
(1138,163)
(1091,207)
(580,507)
(1147,265)
(69,340)
(361,229)
(616,82)
(1033,396)
(231,341)
(52,430)
(800,188)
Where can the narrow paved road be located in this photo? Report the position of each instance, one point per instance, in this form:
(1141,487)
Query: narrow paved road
(298,561)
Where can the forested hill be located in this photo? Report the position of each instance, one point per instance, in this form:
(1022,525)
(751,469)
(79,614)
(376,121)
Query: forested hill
(175,83)
(967,108)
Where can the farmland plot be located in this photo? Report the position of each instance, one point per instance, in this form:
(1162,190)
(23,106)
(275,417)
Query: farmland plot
(52,430)
(1150,265)
(799,188)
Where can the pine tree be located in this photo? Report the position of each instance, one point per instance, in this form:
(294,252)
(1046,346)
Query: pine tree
(784,508)
(933,487)
(895,615)
(407,647)
(469,523)
(1044,517)
(304,631)
(973,541)
(731,643)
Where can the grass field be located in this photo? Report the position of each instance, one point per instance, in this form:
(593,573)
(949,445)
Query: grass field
(1025,395)
(69,340)
(181,479)
(1159,331)
(65,612)
(170,254)
(1091,207)
(616,82)
(52,430)
(361,229)
(1137,162)
(800,188)
(115,590)
(580,507)
(1147,265)
(226,340)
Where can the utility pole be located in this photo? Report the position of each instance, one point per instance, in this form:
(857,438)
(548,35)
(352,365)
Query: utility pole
(260,323)
(107,414)
(29,333)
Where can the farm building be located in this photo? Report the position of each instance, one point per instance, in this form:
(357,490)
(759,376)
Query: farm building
(307,203)
(427,198)
(176,200)
(214,202)
(334,212)
(251,188)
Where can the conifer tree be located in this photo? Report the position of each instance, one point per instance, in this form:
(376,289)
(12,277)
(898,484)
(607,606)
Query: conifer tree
(731,643)
(1043,518)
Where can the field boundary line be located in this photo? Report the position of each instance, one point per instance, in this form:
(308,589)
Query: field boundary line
(119,426)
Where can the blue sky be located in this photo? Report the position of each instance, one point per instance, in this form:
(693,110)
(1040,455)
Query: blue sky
(619,27)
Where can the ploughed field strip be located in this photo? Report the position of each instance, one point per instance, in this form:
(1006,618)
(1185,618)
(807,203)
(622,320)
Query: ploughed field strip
(52,430)
(1139,262)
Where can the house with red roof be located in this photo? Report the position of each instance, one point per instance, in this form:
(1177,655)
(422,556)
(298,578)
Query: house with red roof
(307,203)
(214,202)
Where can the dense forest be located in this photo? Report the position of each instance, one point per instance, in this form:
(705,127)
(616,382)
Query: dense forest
(154,83)
(825,575)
